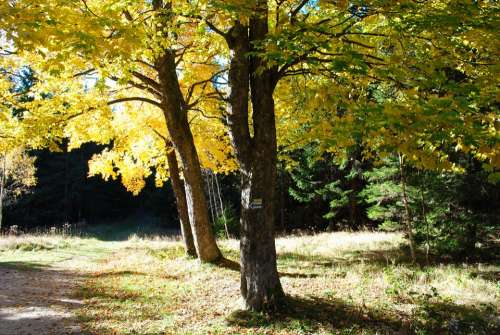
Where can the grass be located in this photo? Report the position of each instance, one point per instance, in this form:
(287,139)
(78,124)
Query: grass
(44,250)
(336,283)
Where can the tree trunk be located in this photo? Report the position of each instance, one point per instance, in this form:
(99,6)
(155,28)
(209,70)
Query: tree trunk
(180,197)
(66,201)
(182,139)
(223,212)
(424,219)
(409,228)
(2,187)
(260,284)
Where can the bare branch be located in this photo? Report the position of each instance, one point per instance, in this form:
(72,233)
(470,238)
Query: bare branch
(207,116)
(90,10)
(147,80)
(215,29)
(202,82)
(160,135)
(358,43)
(149,101)
(295,12)
(127,15)
(84,73)
(140,61)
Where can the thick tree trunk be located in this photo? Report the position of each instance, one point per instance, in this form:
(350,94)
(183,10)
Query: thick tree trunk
(182,139)
(180,197)
(260,284)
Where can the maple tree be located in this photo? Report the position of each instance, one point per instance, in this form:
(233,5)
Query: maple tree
(141,147)
(17,176)
(433,90)
(135,47)
(351,46)
(409,77)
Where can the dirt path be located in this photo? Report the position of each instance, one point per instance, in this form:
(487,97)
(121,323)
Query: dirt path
(38,301)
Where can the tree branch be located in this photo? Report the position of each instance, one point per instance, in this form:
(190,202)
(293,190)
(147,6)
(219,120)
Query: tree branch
(84,73)
(146,80)
(202,82)
(295,12)
(142,99)
(90,10)
(215,29)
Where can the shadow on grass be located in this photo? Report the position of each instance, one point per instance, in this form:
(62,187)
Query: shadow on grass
(235,266)
(378,258)
(125,302)
(493,276)
(313,314)
(381,257)
(23,266)
(119,274)
(108,295)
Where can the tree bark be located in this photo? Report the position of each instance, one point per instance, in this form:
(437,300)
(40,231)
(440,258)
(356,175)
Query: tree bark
(182,139)
(2,187)
(260,285)
(180,197)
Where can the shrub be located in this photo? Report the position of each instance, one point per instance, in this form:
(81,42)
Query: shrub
(230,220)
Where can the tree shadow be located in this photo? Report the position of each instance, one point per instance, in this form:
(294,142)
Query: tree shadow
(314,314)
(38,300)
(118,274)
(378,258)
(446,317)
(235,266)
(493,275)
(21,265)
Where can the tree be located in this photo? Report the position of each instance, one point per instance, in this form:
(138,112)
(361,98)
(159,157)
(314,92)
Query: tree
(416,85)
(343,42)
(140,47)
(334,185)
(141,147)
(17,176)
(268,47)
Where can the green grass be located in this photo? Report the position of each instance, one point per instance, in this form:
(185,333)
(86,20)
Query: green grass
(45,250)
(336,283)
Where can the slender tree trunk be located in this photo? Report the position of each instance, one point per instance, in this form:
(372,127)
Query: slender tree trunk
(182,139)
(282,202)
(2,187)
(180,196)
(210,198)
(407,215)
(425,221)
(66,201)
(223,212)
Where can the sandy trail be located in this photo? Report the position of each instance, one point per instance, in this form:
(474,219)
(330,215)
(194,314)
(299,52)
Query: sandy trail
(38,301)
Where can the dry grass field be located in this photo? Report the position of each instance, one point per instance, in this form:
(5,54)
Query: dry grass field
(337,283)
